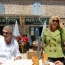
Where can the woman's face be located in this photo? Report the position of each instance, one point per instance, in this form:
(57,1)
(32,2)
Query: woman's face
(54,23)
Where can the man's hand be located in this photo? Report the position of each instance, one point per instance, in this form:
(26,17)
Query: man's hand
(0,63)
(58,63)
(18,58)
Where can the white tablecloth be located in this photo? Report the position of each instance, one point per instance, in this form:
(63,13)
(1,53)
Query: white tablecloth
(23,62)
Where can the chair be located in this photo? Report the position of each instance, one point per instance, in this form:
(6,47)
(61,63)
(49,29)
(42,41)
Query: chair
(31,53)
(22,47)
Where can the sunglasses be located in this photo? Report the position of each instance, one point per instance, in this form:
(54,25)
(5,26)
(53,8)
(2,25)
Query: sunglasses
(55,20)
(5,32)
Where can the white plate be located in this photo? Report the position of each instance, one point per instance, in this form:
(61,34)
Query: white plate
(52,63)
(23,62)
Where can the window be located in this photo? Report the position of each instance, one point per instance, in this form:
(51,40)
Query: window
(2,8)
(37,8)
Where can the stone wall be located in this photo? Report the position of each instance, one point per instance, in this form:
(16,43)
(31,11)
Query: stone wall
(50,8)
(24,7)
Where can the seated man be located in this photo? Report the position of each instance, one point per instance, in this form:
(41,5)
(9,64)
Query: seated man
(9,49)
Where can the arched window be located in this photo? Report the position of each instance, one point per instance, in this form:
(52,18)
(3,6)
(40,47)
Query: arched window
(2,8)
(37,8)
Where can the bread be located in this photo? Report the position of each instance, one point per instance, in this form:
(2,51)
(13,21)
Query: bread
(35,60)
(45,57)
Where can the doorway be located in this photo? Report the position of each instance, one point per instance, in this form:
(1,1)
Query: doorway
(1,27)
(34,32)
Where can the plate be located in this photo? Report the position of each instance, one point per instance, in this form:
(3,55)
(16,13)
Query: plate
(23,62)
(51,63)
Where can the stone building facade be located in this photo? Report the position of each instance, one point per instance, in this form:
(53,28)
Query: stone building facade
(24,8)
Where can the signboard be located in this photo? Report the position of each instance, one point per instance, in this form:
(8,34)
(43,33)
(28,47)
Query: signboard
(36,21)
(44,20)
(2,21)
(9,20)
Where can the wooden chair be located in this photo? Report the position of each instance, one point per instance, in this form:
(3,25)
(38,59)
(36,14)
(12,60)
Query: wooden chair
(30,54)
(22,47)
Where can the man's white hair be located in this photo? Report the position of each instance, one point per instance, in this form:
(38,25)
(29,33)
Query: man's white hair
(10,28)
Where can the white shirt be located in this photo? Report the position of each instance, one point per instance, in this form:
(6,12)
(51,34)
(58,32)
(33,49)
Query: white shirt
(8,52)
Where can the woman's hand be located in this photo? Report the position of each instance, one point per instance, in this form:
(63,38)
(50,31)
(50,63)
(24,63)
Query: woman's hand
(58,63)
(61,24)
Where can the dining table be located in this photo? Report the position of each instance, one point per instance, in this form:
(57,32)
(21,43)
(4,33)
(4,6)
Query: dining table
(23,62)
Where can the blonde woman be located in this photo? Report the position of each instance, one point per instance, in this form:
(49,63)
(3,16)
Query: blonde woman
(52,39)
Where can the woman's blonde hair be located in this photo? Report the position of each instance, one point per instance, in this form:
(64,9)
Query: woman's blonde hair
(51,20)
